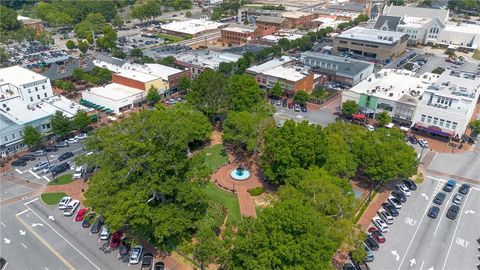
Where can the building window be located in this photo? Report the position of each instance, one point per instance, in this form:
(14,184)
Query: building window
(43,87)
(423,118)
(447,125)
(45,94)
(442,122)
(31,98)
(48,126)
(435,120)
(454,125)
(13,136)
(29,91)
(429,119)
(38,96)
(36,88)
(6,138)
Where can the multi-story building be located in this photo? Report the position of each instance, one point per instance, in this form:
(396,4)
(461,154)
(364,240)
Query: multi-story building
(198,60)
(194,27)
(239,33)
(448,104)
(271,24)
(298,19)
(139,80)
(337,69)
(35,24)
(114,96)
(378,44)
(30,86)
(171,75)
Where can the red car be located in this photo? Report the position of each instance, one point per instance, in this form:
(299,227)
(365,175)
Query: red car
(116,239)
(81,214)
(377,235)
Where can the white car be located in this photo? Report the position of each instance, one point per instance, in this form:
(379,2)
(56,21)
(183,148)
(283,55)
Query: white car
(380,224)
(136,255)
(72,140)
(104,233)
(423,143)
(78,172)
(404,189)
(395,202)
(81,136)
(40,166)
(370,127)
(71,208)
(280,123)
(385,216)
(64,202)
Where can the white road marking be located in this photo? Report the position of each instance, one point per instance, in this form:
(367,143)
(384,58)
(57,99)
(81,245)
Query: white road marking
(52,218)
(6,240)
(21,232)
(83,255)
(462,242)
(34,174)
(421,266)
(3,225)
(46,178)
(425,196)
(24,245)
(455,232)
(37,224)
(469,212)
(46,268)
(394,253)
(20,172)
(443,214)
(26,210)
(31,201)
(412,262)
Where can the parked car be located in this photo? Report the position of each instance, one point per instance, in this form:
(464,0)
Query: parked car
(399,195)
(40,166)
(377,235)
(380,224)
(135,255)
(385,216)
(349,266)
(124,247)
(296,107)
(19,163)
(81,136)
(423,143)
(65,156)
(464,188)
(159,266)
(48,168)
(51,148)
(64,202)
(104,233)
(116,239)
(457,199)
(413,139)
(403,188)
(450,185)
(395,202)
(453,211)
(371,243)
(284,103)
(433,212)
(290,105)
(97,225)
(439,198)
(81,214)
(71,208)
(390,209)
(27,158)
(72,140)
(304,109)
(60,168)
(278,103)
(410,184)
(87,221)
(62,144)
(78,172)
(147,261)
(39,153)
(369,257)
(370,127)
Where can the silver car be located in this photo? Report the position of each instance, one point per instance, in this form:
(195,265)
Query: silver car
(40,166)
(458,199)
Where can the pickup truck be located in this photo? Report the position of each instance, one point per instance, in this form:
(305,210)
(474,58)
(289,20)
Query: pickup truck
(147,261)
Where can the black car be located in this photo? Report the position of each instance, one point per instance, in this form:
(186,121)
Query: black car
(3,262)
(439,198)
(464,188)
(390,209)
(371,243)
(87,221)
(159,266)
(449,186)
(413,139)
(399,196)
(304,109)
(60,168)
(453,211)
(19,163)
(349,266)
(362,266)
(124,247)
(433,212)
(51,148)
(410,184)
(66,155)
(27,158)
(147,261)
(284,103)
(62,144)
(97,225)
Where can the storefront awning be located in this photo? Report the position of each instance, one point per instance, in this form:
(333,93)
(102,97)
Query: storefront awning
(434,130)
(359,116)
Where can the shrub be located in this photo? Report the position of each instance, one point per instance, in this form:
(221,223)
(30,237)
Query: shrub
(256,191)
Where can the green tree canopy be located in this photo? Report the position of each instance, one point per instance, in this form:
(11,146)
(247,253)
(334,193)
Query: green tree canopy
(276,91)
(70,44)
(475,126)
(117,21)
(83,46)
(9,20)
(93,22)
(81,120)
(152,95)
(167,61)
(383,119)
(109,38)
(243,130)
(183,84)
(150,10)
(301,97)
(31,136)
(244,92)
(349,107)
(61,124)
(136,53)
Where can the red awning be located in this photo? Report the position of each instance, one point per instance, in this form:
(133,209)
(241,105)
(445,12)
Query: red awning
(359,116)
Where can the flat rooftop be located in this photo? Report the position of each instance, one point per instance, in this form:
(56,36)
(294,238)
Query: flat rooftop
(18,75)
(207,58)
(192,27)
(63,104)
(371,35)
(114,91)
(240,28)
(345,66)
(291,73)
(17,111)
(457,85)
(137,75)
(270,19)
(464,28)
(270,64)
(162,71)
(295,14)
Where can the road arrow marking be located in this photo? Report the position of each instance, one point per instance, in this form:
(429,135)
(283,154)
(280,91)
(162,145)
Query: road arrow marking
(431,268)
(37,224)
(21,232)
(51,218)
(469,212)
(412,262)
(425,195)
(394,253)
(24,245)
(6,240)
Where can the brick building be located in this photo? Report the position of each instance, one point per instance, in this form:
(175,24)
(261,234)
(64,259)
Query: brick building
(298,19)
(139,80)
(239,33)
(270,24)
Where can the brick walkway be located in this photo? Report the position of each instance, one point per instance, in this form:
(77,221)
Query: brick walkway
(222,178)
(73,189)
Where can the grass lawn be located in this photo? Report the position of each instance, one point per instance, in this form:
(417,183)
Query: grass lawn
(169,38)
(52,198)
(226,199)
(476,54)
(62,180)
(216,156)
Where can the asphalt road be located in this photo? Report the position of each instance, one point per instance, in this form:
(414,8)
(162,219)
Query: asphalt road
(466,164)
(415,241)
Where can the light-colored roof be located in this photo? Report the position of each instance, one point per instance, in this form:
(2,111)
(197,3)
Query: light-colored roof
(192,27)
(18,75)
(287,73)
(270,19)
(162,71)
(464,28)
(345,66)
(276,38)
(137,76)
(371,35)
(457,85)
(114,91)
(269,64)
(17,111)
(61,103)
(240,28)
(430,13)
(207,58)
(295,14)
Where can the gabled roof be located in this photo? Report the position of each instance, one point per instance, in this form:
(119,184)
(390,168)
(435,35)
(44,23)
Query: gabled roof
(270,19)
(391,22)
(430,13)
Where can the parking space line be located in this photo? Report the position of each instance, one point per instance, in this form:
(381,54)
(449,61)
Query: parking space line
(83,255)
(69,266)
(24,211)
(455,232)
(31,201)
(18,171)
(443,213)
(46,178)
(34,174)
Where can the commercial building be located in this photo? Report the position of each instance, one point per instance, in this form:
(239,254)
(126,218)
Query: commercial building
(239,33)
(30,86)
(276,62)
(270,24)
(114,96)
(378,44)
(337,69)
(197,61)
(193,27)
(139,80)
(168,74)
(298,19)
(448,104)
(35,24)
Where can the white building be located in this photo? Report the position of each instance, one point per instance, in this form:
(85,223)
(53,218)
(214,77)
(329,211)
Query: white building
(448,104)
(30,86)
(193,27)
(114,96)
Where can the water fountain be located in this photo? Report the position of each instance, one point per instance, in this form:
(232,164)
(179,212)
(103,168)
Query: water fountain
(240,174)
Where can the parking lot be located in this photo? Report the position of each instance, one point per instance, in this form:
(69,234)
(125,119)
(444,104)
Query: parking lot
(416,241)
(317,117)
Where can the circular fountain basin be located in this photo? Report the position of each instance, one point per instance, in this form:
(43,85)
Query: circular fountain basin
(239,174)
